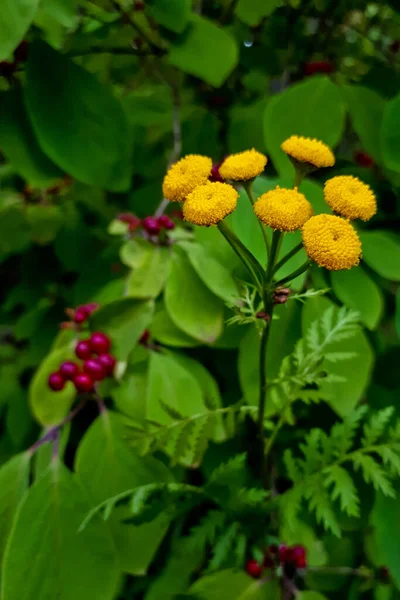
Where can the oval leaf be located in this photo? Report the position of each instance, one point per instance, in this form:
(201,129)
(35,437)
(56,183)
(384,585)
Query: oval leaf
(16,17)
(366,112)
(381,252)
(148,279)
(85,132)
(172,14)
(390,134)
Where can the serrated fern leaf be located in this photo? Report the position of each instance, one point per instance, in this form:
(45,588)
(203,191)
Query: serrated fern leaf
(373,473)
(376,425)
(223,547)
(343,489)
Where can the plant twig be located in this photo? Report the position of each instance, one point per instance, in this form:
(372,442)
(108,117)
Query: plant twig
(52,434)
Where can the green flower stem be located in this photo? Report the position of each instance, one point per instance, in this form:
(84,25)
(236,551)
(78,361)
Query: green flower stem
(295,274)
(275,246)
(288,256)
(250,262)
(298,177)
(248,187)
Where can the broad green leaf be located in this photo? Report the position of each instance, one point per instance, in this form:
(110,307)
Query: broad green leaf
(19,144)
(106,467)
(252,12)
(216,244)
(357,290)
(215,276)
(172,14)
(191,306)
(228,584)
(310,595)
(366,109)
(124,321)
(319,112)
(44,454)
(64,12)
(343,395)
(244,126)
(134,253)
(16,17)
(381,252)
(195,51)
(14,481)
(390,134)
(69,563)
(385,519)
(175,386)
(148,279)
(49,407)
(85,132)
(264,589)
(14,228)
(166,332)
(45,222)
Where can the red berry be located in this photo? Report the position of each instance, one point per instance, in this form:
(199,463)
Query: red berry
(83,383)
(132,220)
(254,569)
(91,307)
(108,363)
(94,368)
(83,349)
(21,51)
(298,556)
(100,343)
(282,553)
(139,5)
(80,315)
(215,174)
(318,66)
(166,222)
(151,225)
(144,338)
(363,159)
(56,382)
(69,369)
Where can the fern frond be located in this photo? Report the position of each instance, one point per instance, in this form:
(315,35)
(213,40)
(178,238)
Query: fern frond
(343,489)
(373,473)
(311,293)
(223,547)
(376,425)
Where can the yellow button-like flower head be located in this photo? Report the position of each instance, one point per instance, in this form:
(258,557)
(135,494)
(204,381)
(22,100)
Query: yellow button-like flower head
(332,242)
(286,210)
(310,151)
(185,175)
(210,203)
(243,166)
(350,197)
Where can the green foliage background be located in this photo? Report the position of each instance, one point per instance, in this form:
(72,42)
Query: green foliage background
(107,97)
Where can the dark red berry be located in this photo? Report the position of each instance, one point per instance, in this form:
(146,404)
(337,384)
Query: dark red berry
(139,5)
(69,369)
(83,383)
(151,225)
(363,159)
(21,52)
(298,556)
(132,220)
(94,368)
(56,382)
(215,174)
(166,222)
(254,569)
(80,315)
(318,66)
(100,343)
(394,46)
(384,574)
(91,307)
(83,349)
(282,553)
(108,362)
(144,338)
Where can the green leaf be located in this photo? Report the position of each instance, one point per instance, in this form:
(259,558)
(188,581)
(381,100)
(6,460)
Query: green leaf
(358,291)
(106,467)
(124,321)
(167,333)
(14,481)
(172,14)
(68,564)
(310,595)
(14,229)
(49,407)
(45,222)
(390,136)
(385,518)
(16,17)
(252,12)
(356,370)
(195,51)
(224,585)
(216,277)
(85,132)
(148,279)
(19,143)
(366,109)
(381,252)
(398,312)
(191,306)
(319,113)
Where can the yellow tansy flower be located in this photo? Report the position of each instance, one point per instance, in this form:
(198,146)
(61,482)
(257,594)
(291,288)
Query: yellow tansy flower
(332,242)
(210,203)
(350,197)
(243,165)
(286,210)
(185,175)
(308,150)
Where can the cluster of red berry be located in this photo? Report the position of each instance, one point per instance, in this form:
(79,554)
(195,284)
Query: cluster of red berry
(151,225)
(98,364)
(293,556)
(8,68)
